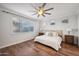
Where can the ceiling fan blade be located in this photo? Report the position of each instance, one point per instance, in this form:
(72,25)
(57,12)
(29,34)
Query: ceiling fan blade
(49,9)
(38,16)
(34,7)
(34,13)
(48,13)
(31,11)
(43,4)
(43,15)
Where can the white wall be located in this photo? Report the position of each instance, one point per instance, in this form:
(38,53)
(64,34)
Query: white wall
(59,25)
(7,37)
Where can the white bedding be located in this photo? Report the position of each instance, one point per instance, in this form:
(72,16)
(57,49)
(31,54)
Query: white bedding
(52,41)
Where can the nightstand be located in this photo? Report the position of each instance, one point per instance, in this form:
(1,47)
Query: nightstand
(69,39)
(40,34)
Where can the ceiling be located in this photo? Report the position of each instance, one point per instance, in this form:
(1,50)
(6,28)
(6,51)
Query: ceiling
(60,10)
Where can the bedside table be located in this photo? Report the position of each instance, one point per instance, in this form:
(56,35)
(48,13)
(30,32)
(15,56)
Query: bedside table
(40,34)
(69,39)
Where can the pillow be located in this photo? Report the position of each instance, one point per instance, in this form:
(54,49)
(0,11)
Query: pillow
(55,33)
(48,34)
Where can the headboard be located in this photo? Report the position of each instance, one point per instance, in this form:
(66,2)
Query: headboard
(60,32)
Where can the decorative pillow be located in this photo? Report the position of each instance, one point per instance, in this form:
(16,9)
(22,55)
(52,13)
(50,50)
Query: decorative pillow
(48,34)
(55,33)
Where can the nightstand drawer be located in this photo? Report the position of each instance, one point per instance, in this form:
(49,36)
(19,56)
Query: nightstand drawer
(69,39)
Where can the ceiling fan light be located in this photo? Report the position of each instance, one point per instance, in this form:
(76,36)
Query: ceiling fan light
(41,11)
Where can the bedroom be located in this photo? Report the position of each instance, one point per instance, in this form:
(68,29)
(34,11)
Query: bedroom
(18,39)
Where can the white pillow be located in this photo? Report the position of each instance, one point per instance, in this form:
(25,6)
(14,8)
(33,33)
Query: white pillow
(46,33)
(55,33)
(49,34)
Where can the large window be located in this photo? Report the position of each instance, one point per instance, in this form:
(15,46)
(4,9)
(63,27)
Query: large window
(23,25)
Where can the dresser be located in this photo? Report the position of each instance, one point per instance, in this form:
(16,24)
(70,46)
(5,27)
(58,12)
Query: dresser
(69,39)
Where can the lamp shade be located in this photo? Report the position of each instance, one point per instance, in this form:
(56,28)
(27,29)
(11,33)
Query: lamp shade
(69,31)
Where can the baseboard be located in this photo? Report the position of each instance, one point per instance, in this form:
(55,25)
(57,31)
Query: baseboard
(14,43)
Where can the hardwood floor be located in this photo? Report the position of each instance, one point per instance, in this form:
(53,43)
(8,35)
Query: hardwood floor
(30,48)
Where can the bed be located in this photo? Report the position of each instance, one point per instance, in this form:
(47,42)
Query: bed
(52,39)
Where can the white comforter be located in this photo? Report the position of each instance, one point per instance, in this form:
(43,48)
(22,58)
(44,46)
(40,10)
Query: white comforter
(52,41)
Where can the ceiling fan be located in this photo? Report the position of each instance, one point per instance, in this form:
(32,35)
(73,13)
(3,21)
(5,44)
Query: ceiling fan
(41,11)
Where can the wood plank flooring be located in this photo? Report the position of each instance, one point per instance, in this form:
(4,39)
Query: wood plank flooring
(31,48)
